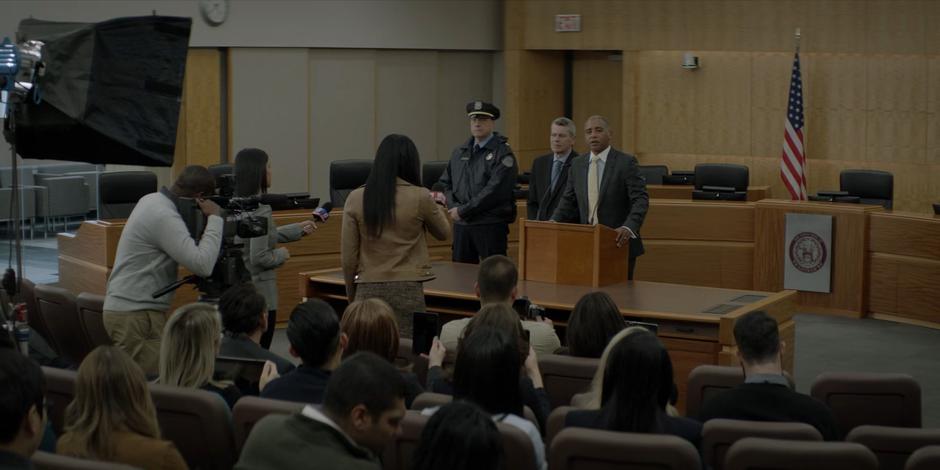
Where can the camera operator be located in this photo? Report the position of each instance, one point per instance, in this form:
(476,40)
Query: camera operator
(155,241)
(252,178)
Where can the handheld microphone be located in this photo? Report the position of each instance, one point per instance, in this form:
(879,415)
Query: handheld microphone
(323,212)
(437,194)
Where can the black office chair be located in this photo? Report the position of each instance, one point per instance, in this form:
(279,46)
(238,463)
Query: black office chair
(870,186)
(431,172)
(119,191)
(723,181)
(345,176)
(653,173)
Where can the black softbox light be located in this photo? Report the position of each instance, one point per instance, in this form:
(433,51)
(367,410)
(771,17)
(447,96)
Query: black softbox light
(111,91)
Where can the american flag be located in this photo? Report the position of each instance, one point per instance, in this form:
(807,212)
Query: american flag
(793,166)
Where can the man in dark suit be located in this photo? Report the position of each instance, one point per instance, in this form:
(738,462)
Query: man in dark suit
(550,172)
(605,187)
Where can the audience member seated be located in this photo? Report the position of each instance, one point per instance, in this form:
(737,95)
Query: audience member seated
(593,322)
(591,399)
(362,408)
(496,283)
(765,394)
(112,417)
(188,350)
(244,319)
(487,373)
(314,336)
(370,325)
(22,409)
(502,317)
(637,383)
(460,436)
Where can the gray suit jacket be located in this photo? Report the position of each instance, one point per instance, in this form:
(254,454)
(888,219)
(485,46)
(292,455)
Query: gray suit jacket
(622,193)
(262,256)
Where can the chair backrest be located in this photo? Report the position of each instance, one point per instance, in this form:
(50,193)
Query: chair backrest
(721,174)
(60,390)
(857,398)
(60,313)
(556,422)
(34,317)
(706,381)
(564,376)
(90,308)
(893,445)
(587,449)
(119,191)
(752,453)
(431,172)
(926,458)
(48,461)
(653,174)
(870,186)
(199,423)
(249,410)
(718,435)
(405,357)
(430,400)
(345,176)
(399,455)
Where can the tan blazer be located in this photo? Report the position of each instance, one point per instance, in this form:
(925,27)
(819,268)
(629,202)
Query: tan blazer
(401,253)
(137,451)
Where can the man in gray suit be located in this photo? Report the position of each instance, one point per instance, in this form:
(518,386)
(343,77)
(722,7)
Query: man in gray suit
(605,187)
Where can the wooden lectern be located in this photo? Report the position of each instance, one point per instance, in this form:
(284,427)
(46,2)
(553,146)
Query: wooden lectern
(583,255)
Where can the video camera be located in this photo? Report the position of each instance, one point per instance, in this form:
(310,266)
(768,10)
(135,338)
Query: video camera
(238,223)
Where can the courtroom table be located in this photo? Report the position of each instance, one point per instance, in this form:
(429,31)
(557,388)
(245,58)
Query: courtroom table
(695,323)
(684,191)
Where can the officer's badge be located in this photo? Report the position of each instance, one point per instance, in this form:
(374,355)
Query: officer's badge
(489,157)
(478,105)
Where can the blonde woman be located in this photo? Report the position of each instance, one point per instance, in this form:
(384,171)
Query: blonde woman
(112,417)
(187,353)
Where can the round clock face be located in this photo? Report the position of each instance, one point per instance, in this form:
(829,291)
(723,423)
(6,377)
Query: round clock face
(214,11)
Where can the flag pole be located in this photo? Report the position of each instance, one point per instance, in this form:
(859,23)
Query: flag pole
(796,39)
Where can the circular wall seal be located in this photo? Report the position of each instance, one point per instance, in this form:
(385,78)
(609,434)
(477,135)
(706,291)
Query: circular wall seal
(807,252)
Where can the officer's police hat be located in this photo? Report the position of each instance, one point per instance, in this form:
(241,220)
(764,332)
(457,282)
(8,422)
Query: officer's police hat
(482,108)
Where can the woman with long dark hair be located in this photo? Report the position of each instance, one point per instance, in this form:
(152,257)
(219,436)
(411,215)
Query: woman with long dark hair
(636,388)
(460,436)
(263,256)
(384,251)
(593,322)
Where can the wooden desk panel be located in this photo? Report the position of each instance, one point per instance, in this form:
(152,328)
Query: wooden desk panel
(670,191)
(849,263)
(672,219)
(904,268)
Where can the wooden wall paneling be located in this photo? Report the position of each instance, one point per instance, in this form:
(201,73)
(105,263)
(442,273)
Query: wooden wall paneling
(932,18)
(908,289)
(203,89)
(628,111)
(769,86)
(401,77)
(515,16)
(905,234)
(601,25)
(728,265)
(896,27)
(835,106)
(897,100)
(666,104)
(833,26)
(597,87)
(461,77)
(723,103)
(535,95)
(691,220)
(179,152)
(933,107)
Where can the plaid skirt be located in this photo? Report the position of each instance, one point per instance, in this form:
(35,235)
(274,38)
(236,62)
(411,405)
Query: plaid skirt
(405,298)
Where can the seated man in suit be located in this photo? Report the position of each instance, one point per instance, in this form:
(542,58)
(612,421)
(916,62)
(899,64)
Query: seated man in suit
(496,283)
(550,172)
(361,413)
(244,320)
(605,187)
(765,394)
(314,335)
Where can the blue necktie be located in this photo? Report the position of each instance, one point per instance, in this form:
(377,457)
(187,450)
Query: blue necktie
(556,172)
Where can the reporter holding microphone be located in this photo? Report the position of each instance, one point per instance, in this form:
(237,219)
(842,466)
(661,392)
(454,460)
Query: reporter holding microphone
(384,249)
(262,256)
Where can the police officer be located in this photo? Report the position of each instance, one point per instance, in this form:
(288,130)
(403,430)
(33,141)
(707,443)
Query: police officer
(479,182)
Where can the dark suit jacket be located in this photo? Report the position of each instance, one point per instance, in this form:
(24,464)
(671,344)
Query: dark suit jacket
(622,193)
(542,199)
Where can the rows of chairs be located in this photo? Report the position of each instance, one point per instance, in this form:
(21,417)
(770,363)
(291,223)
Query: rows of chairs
(72,325)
